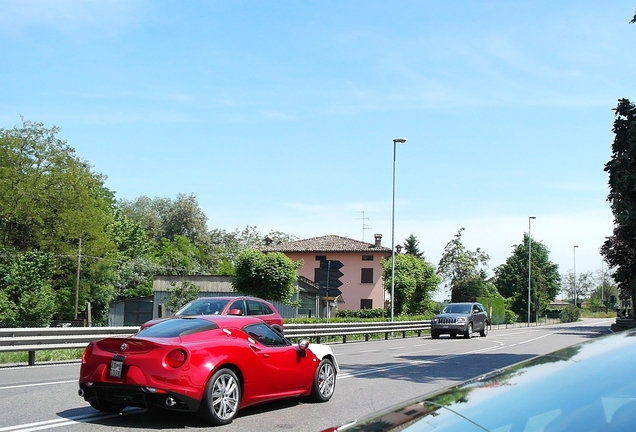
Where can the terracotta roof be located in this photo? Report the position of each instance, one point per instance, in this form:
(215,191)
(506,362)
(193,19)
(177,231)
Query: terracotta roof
(329,243)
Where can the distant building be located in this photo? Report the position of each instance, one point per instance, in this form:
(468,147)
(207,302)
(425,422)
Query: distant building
(363,286)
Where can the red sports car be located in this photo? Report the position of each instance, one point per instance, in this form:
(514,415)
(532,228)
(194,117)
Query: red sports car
(242,305)
(209,364)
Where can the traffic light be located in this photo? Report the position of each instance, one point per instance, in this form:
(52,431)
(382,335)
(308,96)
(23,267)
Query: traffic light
(330,273)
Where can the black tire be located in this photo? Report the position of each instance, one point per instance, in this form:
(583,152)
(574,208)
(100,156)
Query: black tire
(324,382)
(484,331)
(106,406)
(469,331)
(453,335)
(221,398)
(434,335)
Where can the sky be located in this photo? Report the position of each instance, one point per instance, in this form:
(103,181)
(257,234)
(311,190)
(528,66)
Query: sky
(281,115)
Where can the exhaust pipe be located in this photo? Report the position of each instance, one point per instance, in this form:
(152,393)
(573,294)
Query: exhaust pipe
(80,392)
(171,402)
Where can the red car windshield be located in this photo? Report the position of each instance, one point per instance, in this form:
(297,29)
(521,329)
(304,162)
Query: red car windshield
(177,327)
(203,307)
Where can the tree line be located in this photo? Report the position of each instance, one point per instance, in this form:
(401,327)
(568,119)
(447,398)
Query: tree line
(66,240)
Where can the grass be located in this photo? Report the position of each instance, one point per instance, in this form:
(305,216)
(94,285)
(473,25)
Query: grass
(41,356)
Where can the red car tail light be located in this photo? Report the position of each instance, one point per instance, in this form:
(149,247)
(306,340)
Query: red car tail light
(88,352)
(176,358)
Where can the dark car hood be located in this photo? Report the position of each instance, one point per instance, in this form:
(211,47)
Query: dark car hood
(502,397)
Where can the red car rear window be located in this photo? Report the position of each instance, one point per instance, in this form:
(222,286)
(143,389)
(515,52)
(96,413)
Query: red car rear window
(177,327)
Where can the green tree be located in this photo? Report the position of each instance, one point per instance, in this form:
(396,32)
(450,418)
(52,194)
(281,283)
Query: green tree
(49,197)
(271,276)
(185,218)
(619,249)
(166,218)
(133,278)
(148,213)
(26,287)
(49,201)
(457,263)
(415,283)
(129,236)
(225,246)
(181,257)
(411,247)
(472,287)
(511,278)
(580,288)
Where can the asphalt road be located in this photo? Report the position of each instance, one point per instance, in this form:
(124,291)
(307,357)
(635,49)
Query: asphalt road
(374,375)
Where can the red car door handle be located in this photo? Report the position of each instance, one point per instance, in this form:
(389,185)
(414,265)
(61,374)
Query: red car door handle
(266,355)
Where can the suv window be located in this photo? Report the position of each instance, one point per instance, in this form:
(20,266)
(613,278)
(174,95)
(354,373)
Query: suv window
(258,308)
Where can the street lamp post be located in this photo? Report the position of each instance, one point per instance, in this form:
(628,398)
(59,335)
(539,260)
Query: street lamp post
(395,141)
(529,262)
(576,303)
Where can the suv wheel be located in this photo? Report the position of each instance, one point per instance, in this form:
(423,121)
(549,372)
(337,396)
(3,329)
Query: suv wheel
(434,335)
(469,331)
(484,331)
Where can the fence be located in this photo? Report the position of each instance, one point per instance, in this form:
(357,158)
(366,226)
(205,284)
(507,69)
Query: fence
(39,339)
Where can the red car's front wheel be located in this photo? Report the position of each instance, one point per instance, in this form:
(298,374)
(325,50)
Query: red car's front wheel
(221,399)
(324,381)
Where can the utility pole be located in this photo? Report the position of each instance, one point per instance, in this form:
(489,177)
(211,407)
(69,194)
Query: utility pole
(77,280)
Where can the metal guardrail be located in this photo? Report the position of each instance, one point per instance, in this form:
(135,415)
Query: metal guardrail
(54,338)
(323,330)
(39,339)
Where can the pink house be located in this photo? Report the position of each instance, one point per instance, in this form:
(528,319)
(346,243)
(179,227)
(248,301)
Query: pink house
(362,285)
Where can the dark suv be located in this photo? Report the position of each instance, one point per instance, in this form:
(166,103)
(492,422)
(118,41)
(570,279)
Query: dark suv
(460,318)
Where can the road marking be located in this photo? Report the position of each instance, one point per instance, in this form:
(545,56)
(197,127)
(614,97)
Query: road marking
(48,424)
(36,385)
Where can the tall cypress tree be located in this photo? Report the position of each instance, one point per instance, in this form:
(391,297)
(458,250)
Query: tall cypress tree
(620,248)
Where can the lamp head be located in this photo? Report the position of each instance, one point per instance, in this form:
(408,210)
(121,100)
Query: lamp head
(400,140)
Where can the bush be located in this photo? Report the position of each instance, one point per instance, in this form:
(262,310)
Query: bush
(362,313)
(570,314)
(511,317)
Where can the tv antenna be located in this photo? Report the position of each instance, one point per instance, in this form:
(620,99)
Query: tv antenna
(364,225)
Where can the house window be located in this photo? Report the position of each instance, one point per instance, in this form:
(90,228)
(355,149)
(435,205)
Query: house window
(367,275)
(321,257)
(317,275)
(367,257)
(366,304)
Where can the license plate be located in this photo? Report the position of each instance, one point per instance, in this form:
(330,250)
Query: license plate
(445,327)
(116,366)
